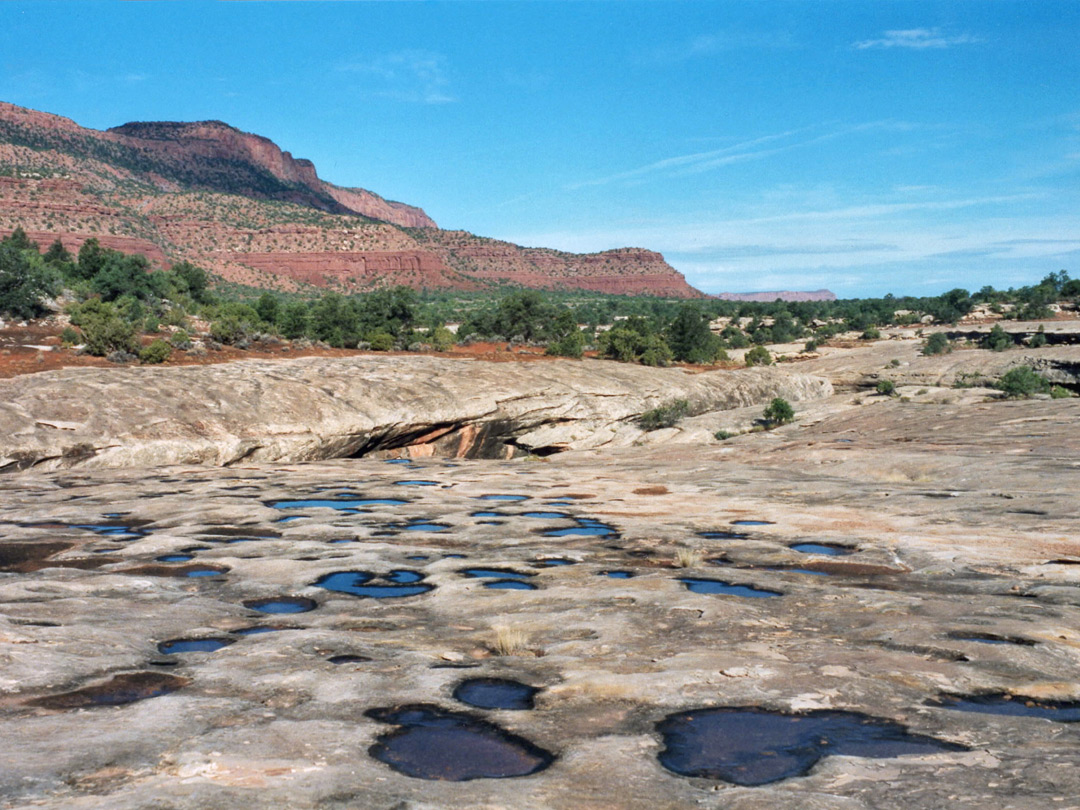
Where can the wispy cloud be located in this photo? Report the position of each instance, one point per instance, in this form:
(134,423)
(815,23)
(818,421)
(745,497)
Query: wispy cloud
(724,41)
(917,39)
(416,76)
(754,149)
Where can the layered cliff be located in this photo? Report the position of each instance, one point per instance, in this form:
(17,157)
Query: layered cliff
(249,211)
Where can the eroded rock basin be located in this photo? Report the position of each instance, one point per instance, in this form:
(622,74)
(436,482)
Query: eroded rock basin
(272,689)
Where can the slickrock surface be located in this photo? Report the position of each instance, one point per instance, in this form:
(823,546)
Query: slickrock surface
(315,408)
(954,571)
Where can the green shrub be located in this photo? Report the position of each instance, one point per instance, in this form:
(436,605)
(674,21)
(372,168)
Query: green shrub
(442,339)
(228,330)
(723,435)
(871,333)
(69,337)
(106,332)
(937,343)
(886,387)
(25,282)
(380,341)
(758,356)
(571,345)
(1038,340)
(779,412)
(997,340)
(664,416)
(1021,382)
(811,346)
(1057,392)
(180,340)
(152,325)
(157,352)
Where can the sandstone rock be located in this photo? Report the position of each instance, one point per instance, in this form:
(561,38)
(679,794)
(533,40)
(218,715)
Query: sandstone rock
(316,408)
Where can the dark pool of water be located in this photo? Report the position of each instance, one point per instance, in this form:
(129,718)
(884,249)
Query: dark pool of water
(828,549)
(347,659)
(548,515)
(496,693)
(186,645)
(1015,706)
(117,691)
(487,514)
(336,503)
(282,604)
(425,527)
(495,573)
(727,588)
(454,556)
(114,530)
(418,557)
(554,562)
(433,743)
(258,630)
(290,518)
(587,527)
(175,557)
(723,535)
(397,461)
(394,585)
(752,523)
(990,638)
(616,574)
(204,572)
(505,498)
(509,585)
(752,746)
(416,482)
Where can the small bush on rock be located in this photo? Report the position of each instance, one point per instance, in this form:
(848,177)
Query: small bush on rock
(779,412)
(1021,383)
(664,416)
(157,352)
(937,343)
(758,356)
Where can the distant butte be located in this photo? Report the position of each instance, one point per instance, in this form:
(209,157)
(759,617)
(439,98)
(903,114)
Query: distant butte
(240,206)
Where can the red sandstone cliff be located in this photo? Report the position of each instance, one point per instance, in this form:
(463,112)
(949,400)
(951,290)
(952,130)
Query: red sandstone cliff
(242,207)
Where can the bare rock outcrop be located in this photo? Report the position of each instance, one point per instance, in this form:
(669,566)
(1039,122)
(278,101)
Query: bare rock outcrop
(319,408)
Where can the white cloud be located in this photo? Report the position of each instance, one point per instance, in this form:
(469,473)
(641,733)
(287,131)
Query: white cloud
(917,39)
(695,163)
(416,76)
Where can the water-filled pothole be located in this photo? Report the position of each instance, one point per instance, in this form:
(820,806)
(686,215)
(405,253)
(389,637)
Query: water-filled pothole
(727,588)
(496,693)
(509,585)
(827,549)
(167,558)
(258,630)
(991,638)
(723,535)
(587,527)
(752,523)
(616,574)
(282,604)
(1015,706)
(348,658)
(120,689)
(186,645)
(548,515)
(422,526)
(396,584)
(416,482)
(433,743)
(487,514)
(554,562)
(505,498)
(753,746)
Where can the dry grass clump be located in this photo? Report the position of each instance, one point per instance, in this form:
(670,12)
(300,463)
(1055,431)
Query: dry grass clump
(510,640)
(688,557)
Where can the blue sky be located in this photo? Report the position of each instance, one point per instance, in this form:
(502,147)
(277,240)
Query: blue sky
(868,147)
